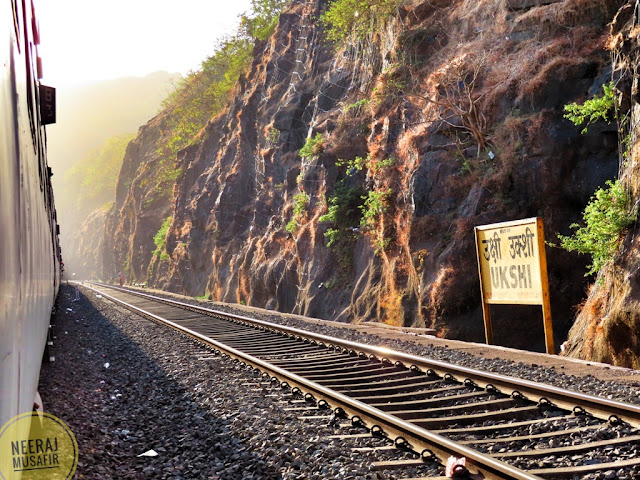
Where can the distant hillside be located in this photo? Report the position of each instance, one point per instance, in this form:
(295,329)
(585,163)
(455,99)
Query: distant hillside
(89,114)
(88,119)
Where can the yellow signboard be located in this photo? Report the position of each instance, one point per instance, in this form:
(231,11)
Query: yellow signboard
(513,269)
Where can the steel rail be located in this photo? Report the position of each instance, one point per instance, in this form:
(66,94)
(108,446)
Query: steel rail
(439,446)
(600,407)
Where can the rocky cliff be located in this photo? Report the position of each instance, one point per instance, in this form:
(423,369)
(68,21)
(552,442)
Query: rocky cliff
(607,328)
(143,200)
(450,116)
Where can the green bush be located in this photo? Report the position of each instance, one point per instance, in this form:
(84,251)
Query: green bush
(357,18)
(358,164)
(375,203)
(300,201)
(263,18)
(291,226)
(160,239)
(353,165)
(343,213)
(344,216)
(592,110)
(358,105)
(605,217)
(314,146)
(204,93)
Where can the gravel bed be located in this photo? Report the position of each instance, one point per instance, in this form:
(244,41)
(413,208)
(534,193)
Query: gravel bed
(606,454)
(626,392)
(229,403)
(127,386)
(553,426)
(576,438)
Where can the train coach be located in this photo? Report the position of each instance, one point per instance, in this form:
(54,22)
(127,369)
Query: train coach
(30,261)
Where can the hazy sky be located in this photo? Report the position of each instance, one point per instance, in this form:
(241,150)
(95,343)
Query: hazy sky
(89,40)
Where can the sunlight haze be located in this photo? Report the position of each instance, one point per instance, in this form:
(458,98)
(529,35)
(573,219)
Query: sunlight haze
(86,41)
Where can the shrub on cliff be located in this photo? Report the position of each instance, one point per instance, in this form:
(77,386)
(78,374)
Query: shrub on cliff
(607,214)
(263,18)
(300,202)
(160,240)
(314,146)
(605,217)
(592,110)
(357,18)
(204,93)
(343,213)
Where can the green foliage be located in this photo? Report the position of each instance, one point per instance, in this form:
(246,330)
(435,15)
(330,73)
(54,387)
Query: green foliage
(378,165)
(605,217)
(358,164)
(274,135)
(291,226)
(262,20)
(332,283)
(343,213)
(344,216)
(592,110)
(160,239)
(356,18)
(353,165)
(314,146)
(203,94)
(380,244)
(350,209)
(332,235)
(95,177)
(300,201)
(465,168)
(357,105)
(375,203)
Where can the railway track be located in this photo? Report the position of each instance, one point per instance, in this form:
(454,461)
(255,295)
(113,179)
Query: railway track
(505,428)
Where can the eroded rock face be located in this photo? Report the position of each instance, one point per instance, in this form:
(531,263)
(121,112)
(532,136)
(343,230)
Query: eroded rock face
(86,243)
(607,328)
(438,90)
(140,207)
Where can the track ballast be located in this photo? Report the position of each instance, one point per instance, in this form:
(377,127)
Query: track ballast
(504,427)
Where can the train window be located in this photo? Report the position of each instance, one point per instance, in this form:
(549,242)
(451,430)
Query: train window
(16,22)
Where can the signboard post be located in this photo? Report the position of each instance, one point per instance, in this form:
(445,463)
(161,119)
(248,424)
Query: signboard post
(513,270)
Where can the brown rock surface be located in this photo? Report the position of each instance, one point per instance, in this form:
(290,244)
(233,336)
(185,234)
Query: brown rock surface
(607,328)
(415,264)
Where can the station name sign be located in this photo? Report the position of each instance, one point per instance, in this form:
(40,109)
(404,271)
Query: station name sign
(510,263)
(513,268)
